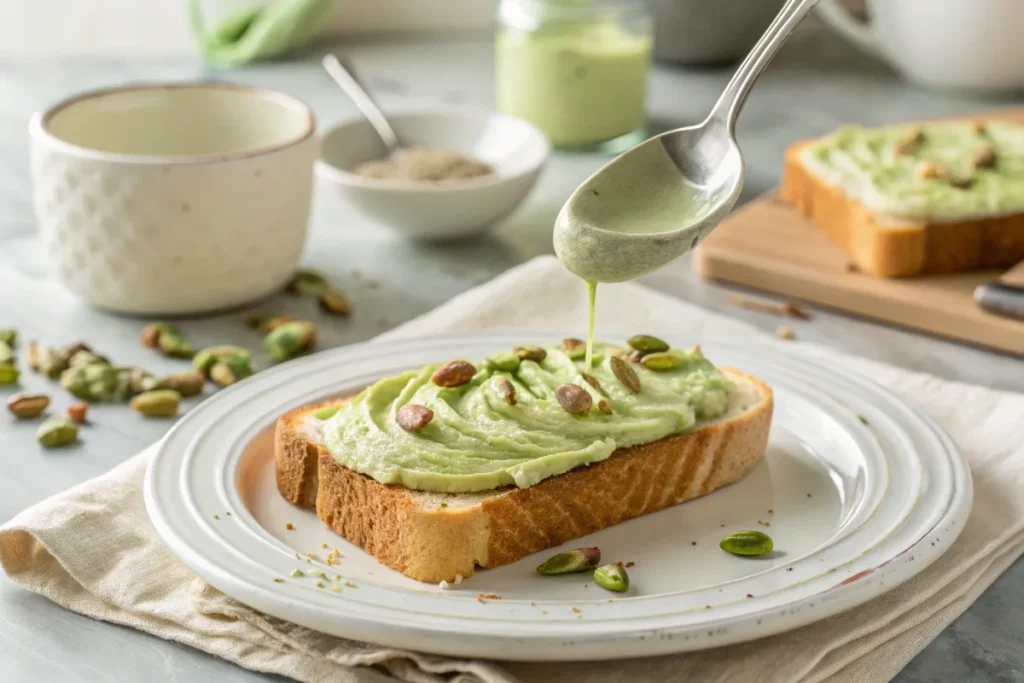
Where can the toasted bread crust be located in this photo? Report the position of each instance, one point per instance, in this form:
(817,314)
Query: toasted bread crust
(410,532)
(898,249)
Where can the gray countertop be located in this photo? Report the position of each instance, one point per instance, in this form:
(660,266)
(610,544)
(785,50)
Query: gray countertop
(816,83)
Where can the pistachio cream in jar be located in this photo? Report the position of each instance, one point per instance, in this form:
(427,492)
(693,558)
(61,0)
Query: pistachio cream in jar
(576,69)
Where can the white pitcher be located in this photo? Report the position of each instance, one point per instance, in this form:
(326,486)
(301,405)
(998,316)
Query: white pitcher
(955,44)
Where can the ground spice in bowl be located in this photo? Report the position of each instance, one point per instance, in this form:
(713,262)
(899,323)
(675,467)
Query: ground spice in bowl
(425,164)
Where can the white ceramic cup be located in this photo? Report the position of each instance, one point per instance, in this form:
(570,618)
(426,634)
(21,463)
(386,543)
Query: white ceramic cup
(968,45)
(173,198)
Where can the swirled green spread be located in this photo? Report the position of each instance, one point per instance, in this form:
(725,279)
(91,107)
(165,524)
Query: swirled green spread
(477,441)
(884,169)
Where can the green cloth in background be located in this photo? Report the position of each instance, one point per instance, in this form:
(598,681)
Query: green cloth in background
(257,33)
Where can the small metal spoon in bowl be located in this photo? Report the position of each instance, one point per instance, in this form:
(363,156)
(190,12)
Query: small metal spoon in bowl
(659,199)
(347,81)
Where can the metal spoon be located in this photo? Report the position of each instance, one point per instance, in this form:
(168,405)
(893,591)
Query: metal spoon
(345,79)
(598,233)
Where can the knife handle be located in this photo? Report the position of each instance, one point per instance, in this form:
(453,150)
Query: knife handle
(1001,298)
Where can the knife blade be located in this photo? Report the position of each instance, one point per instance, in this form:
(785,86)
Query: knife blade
(1004,296)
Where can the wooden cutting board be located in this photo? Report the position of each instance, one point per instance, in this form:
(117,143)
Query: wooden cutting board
(770,246)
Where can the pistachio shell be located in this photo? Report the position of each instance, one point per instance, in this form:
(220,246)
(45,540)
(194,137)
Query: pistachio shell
(28,405)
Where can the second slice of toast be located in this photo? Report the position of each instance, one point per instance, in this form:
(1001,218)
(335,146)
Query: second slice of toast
(436,537)
(891,247)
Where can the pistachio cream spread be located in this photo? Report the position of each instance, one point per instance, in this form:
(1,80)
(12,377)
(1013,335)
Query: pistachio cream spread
(519,418)
(941,172)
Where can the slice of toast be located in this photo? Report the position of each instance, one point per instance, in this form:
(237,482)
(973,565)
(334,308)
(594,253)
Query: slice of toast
(892,247)
(437,536)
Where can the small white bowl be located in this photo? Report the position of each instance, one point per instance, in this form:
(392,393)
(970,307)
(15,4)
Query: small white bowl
(173,198)
(516,150)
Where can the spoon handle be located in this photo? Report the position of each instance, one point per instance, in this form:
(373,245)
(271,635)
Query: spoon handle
(347,82)
(729,105)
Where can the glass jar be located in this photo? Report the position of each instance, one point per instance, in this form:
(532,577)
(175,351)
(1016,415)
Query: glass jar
(576,69)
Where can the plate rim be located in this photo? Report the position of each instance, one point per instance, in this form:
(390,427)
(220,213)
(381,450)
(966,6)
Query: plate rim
(842,596)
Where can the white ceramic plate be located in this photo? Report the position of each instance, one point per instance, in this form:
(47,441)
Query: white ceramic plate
(854,509)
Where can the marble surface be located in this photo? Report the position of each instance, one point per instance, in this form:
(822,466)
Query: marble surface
(816,83)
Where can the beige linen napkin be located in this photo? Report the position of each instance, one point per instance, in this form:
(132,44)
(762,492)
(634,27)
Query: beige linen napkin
(93,551)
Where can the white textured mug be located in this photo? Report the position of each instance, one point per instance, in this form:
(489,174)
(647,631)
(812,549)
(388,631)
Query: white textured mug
(969,45)
(173,198)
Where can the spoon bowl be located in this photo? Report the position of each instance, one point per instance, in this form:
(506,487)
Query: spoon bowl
(658,200)
(649,206)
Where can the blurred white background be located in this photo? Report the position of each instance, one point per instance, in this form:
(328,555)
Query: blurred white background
(119,28)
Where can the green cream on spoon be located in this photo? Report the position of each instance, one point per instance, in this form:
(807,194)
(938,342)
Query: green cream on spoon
(653,203)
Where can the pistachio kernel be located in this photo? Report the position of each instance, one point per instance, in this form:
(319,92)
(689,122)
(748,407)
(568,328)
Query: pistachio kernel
(661,361)
(454,374)
(224,374)
(984,157)
(205,359)
(28,405)
(604,406)
(78,411)
(413,417)
(8,336)
(6,353)
(570,562)
(290,339)
(647,344)
(932,170)
(625,374)
(530,352)
(592,381)
(634,356)
(157,403)
(909,141)
(150,335)
(612,577)
(747,543)
(55,433)
(962,182)
(505,361)
(185,383)
(266,322)
(336,303)
(47,361)
(574,399)
(574,348)
(507,390)
(307,283)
